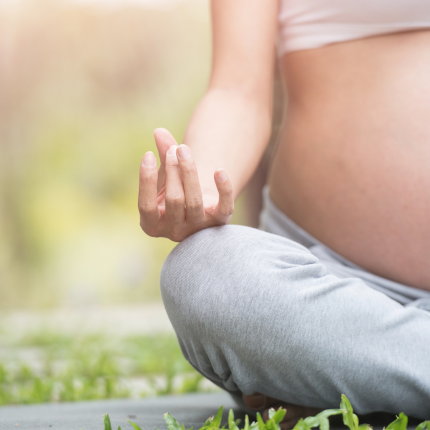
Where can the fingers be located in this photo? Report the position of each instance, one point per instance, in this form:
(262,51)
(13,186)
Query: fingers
(164,140)
(175,198)
(147,201)
(193,192)
(225,207)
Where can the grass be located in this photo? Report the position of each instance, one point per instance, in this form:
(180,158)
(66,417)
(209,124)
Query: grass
(48,366)
(321,421)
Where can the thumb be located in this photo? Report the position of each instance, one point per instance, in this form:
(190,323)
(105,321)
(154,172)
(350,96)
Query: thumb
(164,140)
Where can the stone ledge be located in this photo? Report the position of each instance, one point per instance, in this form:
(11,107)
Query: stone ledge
(191,410)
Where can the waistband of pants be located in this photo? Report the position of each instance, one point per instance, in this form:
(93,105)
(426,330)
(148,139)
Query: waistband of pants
(273,220)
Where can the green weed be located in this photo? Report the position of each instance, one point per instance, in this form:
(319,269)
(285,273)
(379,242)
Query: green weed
(68,368)
(320,421)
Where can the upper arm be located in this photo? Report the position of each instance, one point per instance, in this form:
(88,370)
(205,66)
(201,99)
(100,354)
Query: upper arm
(244,38)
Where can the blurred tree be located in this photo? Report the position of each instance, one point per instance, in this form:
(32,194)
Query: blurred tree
(81,89)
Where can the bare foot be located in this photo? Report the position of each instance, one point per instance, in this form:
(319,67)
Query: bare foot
(261,403)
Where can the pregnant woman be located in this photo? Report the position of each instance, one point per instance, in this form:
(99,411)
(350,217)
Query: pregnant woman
(332,294)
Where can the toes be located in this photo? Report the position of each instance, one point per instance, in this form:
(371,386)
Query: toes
(255,401)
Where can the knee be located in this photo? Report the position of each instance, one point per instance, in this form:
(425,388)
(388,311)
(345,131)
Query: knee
(224,270)
(226,288)
(193,274)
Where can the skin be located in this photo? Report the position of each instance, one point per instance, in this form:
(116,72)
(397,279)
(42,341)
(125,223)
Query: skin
(260,403)
(351,167)
(239,96)
(171,203)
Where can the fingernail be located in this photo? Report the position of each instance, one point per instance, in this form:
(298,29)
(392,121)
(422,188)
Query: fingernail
(221,175)
(172,151)
(149,160)
(256,401)
(183,152)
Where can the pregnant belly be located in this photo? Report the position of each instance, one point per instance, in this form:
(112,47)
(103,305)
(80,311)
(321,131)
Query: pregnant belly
(353,165)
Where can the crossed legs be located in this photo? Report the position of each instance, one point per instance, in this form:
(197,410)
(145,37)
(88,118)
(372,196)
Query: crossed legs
(255,312)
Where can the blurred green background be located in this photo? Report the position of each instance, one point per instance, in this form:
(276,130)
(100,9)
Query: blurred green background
(82,87)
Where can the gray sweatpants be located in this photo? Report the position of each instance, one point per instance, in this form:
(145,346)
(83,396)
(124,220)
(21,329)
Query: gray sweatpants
(258,312)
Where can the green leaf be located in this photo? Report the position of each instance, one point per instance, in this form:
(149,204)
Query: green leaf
(301,425)
(276,417)
(324,423)
(349,418)
(400,423)
(108,425)
(231,423)
(312,422)
(136,427)
(207,423)
(216,422)
(246,423)
(329,412)
(424,425)
(394,425)
(119,427)
(260,422)
(279,415)
(271,425)
(403,421)
(172,424)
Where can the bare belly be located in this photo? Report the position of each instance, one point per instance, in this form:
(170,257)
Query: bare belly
(353,165)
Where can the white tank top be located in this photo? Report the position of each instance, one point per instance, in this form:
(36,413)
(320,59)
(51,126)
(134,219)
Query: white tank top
(307,24)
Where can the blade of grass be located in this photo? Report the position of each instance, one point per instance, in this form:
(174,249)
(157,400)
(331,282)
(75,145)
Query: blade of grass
(216,422)
(260,422)
(246,423)
(279,415)
(400,423)
(324,423)
(424,425)
(172,424)
(301,425)
(329,412)
(231,423)
(349,418)
(108,425)
(136,427)
(312,421)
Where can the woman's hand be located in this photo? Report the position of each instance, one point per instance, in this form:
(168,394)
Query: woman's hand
(171,203)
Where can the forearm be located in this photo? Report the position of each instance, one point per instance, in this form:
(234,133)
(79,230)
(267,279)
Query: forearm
(228,130)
